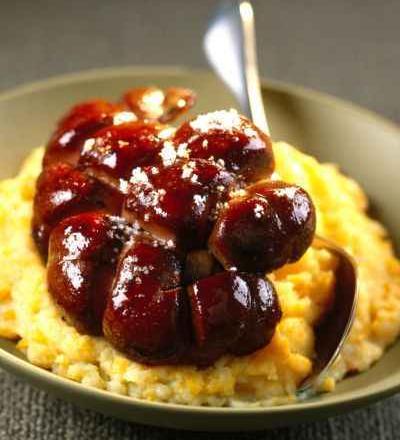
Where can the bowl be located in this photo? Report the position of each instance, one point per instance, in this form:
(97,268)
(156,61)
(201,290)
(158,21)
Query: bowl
(365,146)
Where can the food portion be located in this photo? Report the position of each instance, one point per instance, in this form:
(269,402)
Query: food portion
(146,315)
(77,125)
(177,264)
(250,313)
(152,103)
(159,240)
(83,253)
(179,202)
(231,140)
(270,225)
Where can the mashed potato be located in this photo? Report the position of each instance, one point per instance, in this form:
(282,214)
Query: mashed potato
(270,375)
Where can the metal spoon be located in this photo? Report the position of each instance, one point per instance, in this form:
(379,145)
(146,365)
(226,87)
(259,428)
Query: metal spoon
(230,47)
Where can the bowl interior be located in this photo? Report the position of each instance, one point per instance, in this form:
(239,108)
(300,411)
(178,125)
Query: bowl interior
(364,145)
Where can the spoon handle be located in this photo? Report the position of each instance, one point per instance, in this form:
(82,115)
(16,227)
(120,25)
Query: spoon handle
(256,108)
(230,47)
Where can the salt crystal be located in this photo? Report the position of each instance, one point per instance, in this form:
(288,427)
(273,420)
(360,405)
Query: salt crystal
(226,120)
(168,153)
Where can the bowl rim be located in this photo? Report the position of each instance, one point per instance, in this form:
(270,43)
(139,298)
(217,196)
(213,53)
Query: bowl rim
(171,70)
(25,369)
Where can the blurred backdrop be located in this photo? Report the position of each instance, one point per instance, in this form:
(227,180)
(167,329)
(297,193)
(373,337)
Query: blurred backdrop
(349,48)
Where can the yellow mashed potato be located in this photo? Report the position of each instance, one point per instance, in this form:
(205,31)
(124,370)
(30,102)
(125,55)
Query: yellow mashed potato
(268,376)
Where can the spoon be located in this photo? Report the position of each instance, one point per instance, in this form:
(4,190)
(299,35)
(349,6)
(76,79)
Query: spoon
(230,47)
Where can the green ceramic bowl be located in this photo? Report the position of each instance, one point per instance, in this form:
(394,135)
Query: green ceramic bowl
(366,147)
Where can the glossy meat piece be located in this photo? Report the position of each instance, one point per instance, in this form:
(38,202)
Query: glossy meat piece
(231,139)
(61,191)
(231,313)
(263,318)
(274,224)
(178,202)
(153,103)
(77,125)
(83,252)
(295,209)
(113,152)
(146,315)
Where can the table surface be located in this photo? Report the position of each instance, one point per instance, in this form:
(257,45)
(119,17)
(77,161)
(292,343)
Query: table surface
(349,48)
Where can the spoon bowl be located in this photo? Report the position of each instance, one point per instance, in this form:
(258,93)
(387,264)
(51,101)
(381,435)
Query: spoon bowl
(332,331)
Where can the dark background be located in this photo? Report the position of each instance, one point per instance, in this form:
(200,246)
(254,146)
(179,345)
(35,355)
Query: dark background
(349,48)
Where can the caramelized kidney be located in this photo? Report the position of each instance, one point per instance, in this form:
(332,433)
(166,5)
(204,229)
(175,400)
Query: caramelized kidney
(113,152)
(263,318)
(232,313)
(231,139)
(272,225)
(153,103)
(83,252)
(146,313)
(79,124)
(178,202)
(61,191)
